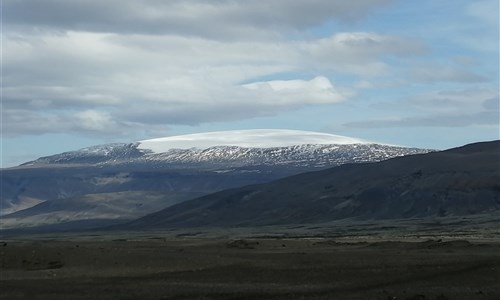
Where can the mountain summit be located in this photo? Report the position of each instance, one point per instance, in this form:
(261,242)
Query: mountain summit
(254,138)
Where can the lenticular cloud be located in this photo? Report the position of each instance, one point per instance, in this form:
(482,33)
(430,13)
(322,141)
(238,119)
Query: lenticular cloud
(256,138)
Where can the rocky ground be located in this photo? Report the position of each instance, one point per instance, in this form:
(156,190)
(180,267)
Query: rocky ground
(165,267)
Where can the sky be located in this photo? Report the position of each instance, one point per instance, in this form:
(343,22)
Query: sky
(77,73)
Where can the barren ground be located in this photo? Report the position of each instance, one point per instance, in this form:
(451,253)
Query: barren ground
(158,267)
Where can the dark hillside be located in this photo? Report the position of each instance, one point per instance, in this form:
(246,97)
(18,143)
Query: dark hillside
(459,181)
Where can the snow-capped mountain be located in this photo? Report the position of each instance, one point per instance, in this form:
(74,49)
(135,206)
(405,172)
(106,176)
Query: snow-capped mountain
(80,188)
(238,148)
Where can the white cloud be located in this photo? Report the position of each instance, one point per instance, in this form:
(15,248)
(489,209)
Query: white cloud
(318,90)
(71,67)
(166,79)
(94,120)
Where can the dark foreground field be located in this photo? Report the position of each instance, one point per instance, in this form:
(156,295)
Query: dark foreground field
(266,268)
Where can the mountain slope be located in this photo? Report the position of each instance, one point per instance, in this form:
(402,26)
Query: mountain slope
(458,181)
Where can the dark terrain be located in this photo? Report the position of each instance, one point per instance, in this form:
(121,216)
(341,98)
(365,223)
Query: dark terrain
(76,197)
(160,266)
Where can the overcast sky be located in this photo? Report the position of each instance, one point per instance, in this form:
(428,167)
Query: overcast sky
(82,72)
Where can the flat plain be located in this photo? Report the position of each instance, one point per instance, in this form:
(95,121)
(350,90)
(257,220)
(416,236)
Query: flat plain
(197,266)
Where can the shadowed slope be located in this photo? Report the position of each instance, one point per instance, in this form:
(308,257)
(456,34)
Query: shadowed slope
(460,181)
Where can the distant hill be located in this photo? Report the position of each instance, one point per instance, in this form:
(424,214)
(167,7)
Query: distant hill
(455,182)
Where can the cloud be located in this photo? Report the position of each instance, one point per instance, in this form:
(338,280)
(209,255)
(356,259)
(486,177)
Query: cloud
(154,80)
(94,120)
(318,90)
(451,101)
(449,109)
(20,121)
(365,46)
(235,102)
(220,19)
(101,67)
(464,120)
(360,53)
(437,74)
